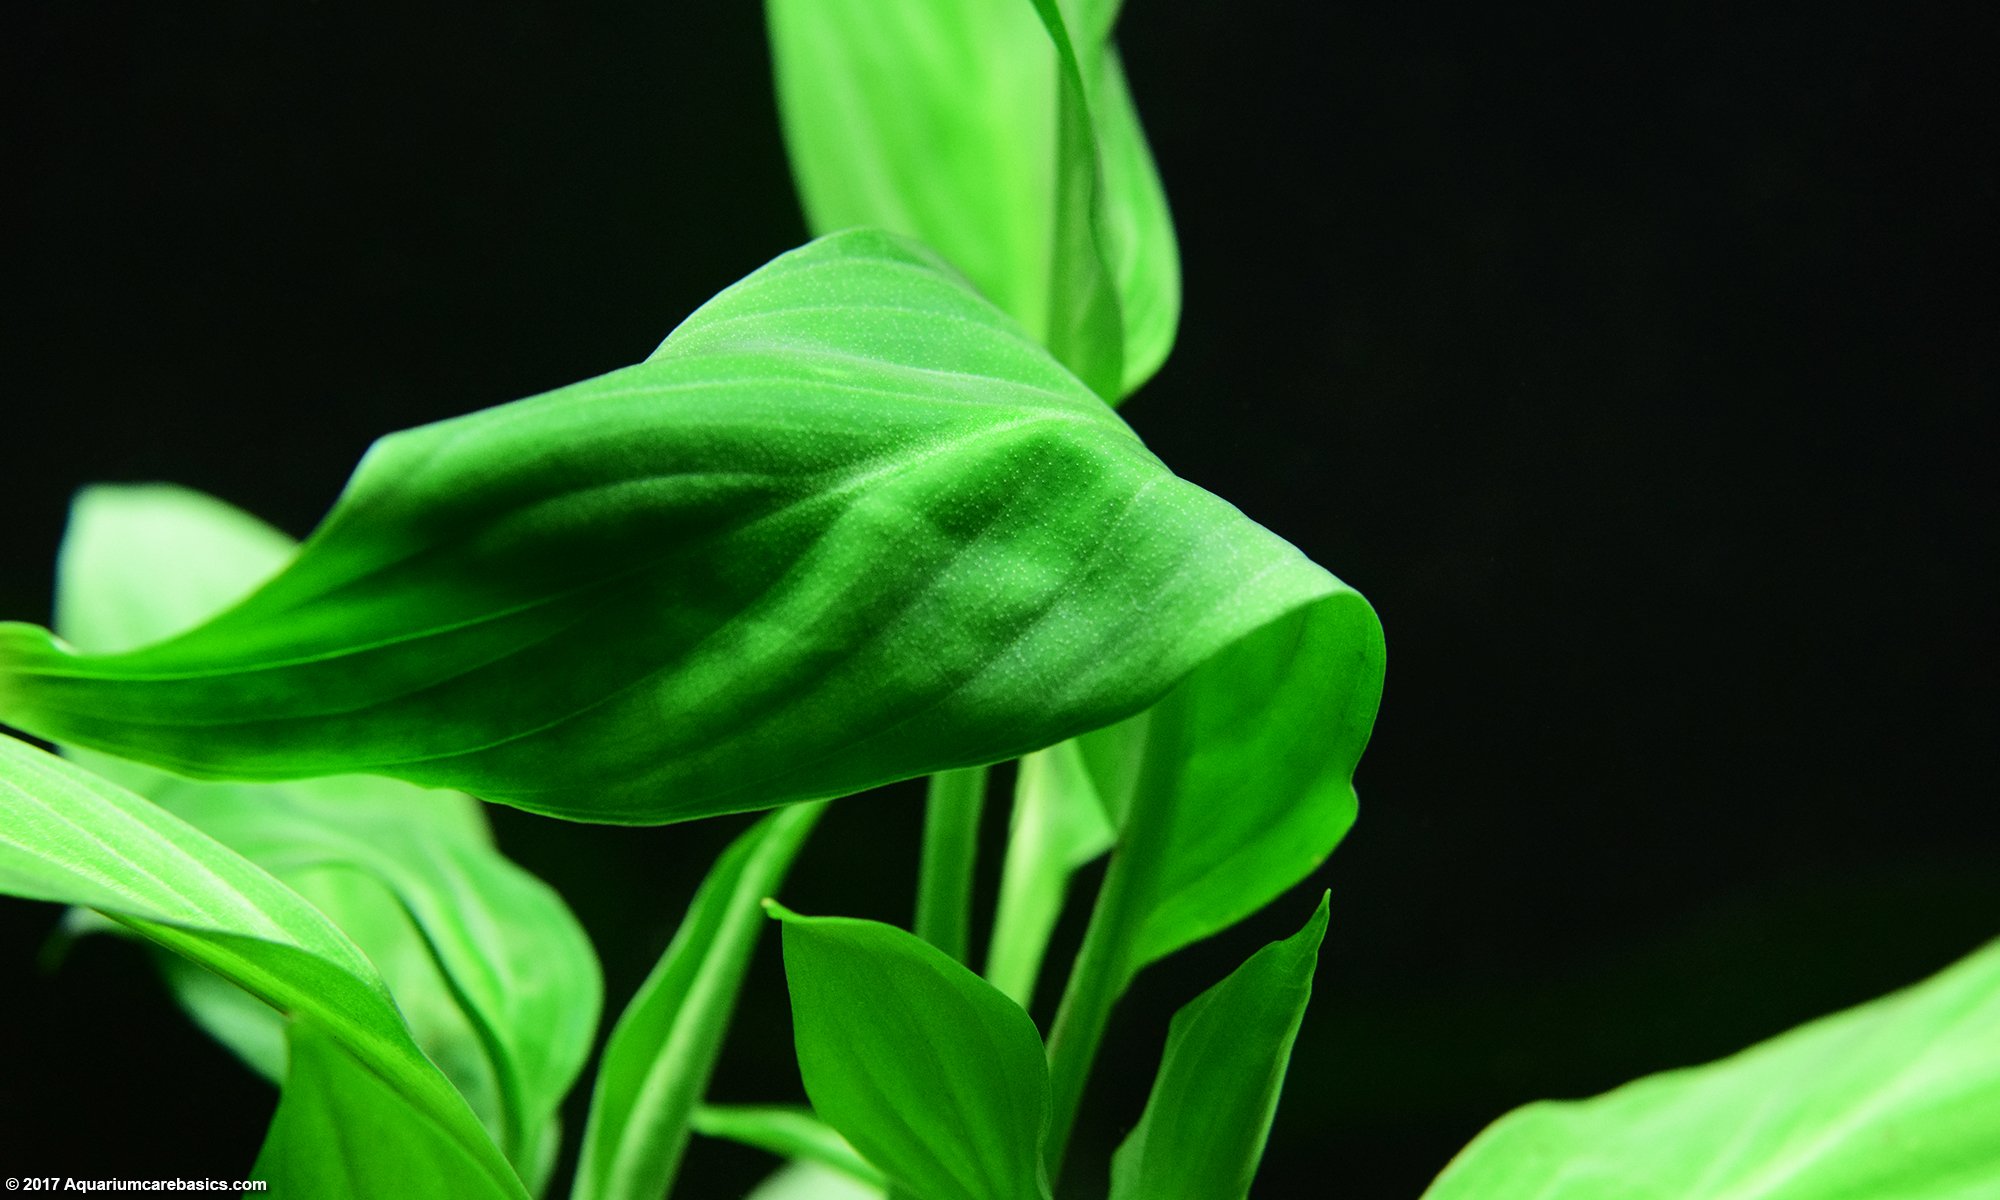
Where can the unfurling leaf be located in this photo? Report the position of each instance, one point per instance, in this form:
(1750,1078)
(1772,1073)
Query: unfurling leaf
(848,525)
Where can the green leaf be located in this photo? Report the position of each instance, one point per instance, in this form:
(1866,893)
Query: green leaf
(1058,825)
(661,1055)
(69,837)
(494,976)
(788,1133)
(934,1076)
(808,1180)
(1232,789)
(847,526)
(1898,1099)
(1008,143)
(1210,1112)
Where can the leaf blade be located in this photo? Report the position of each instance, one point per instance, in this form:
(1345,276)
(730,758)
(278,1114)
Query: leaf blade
(846,471)
(656,1066)
(71,838)
(934,1076)
(1210,1111)
(1899,1097)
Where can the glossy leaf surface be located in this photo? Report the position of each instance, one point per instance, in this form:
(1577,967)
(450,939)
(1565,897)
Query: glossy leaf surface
(496,979)
(1898,1099)
(787,1132)
(69,837)
(657,1065)
(847,526)
(965,126)
(1210,1111)
(932,1074)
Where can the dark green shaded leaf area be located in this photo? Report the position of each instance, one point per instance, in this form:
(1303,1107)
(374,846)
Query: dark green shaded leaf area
(657,1065)
(68,837)
(495,978)
(1898,1099)
(931,1073)
(1003,134)
(848,525)
(1210,1113)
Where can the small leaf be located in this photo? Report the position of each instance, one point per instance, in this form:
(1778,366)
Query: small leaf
(71,838)
(847,526)
(788,1133)
(934,1076)
(808,1180)
(657,1065)
(1047,198)
(1898,1099)
(494,976)
(1229,791)
(1210,1112)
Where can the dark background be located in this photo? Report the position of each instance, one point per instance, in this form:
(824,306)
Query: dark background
(1635,363)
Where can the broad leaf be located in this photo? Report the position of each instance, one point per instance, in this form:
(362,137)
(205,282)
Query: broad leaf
(1045,194)
(934,1076)
(1898,1099)
(847,526)
(657,1065)
(792,1133)
(1206,1122)
(69,837)
(494,976)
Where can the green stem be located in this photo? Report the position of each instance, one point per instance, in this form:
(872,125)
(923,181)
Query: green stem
(951,850)
(1102,972)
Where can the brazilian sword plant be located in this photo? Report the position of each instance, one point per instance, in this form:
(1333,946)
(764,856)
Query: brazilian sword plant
(868,515)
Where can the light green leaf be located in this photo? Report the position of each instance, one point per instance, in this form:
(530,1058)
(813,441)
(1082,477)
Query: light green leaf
(847,526)
(934,1076)
(965,125)
(657,1065)
(69,837)
(1059,824)
(807,1180)
(494,976)
(1210,1112)
(1898,1099)
(1229,791)
(788,1133)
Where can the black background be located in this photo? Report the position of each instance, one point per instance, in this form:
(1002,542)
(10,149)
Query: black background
(1633,360)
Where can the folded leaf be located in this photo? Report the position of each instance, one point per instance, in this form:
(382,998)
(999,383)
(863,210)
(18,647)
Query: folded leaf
(1206,1122)
(1898,1099)
(847,526)
(661,1055)
(788,1133)
(932,1074)
(494,976)
(1046,195)
(71,838)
